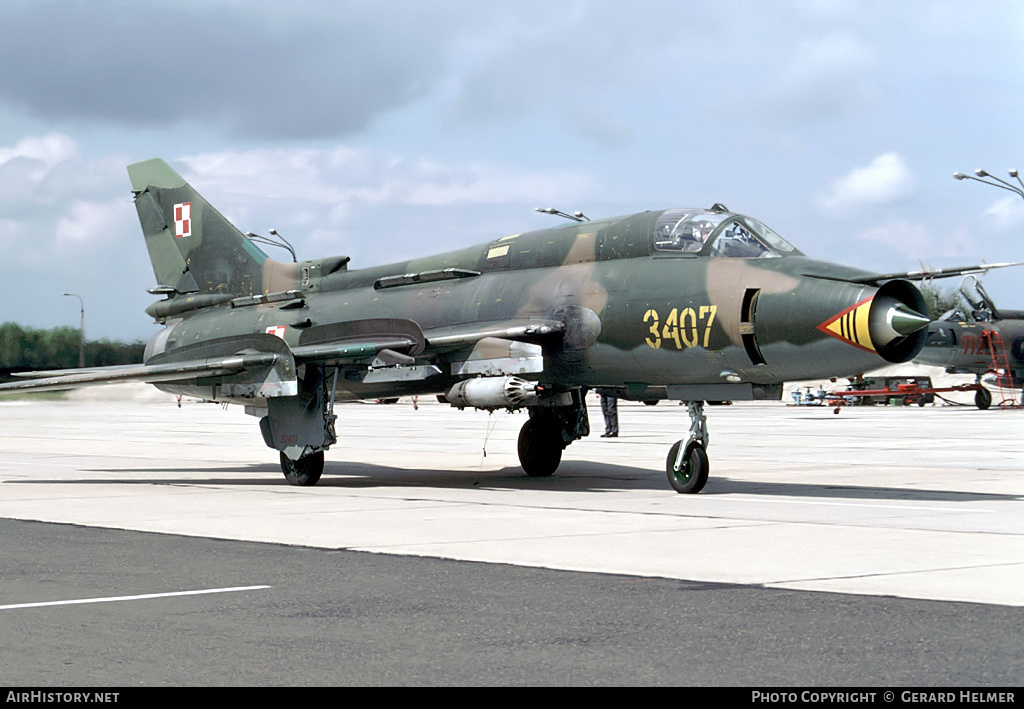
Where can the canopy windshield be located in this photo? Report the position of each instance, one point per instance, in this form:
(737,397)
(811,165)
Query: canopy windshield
(717,234)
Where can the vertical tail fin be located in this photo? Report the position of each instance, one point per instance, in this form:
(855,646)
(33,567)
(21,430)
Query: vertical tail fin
(194,249)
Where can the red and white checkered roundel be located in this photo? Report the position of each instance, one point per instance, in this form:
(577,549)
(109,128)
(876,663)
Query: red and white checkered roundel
(182,220)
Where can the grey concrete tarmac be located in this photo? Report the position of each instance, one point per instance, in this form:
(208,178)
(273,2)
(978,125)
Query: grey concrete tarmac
(869,506)
(338,618)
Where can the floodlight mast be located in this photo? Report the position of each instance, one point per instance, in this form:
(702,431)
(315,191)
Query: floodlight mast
(81,329)
(1001,184)
(278,241)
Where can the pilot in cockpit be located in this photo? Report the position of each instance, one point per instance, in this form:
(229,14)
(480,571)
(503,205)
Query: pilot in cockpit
(683,236)
(701,232)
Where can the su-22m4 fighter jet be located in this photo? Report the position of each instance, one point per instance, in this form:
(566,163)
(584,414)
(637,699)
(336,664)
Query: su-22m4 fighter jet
(685,304)
(964,344)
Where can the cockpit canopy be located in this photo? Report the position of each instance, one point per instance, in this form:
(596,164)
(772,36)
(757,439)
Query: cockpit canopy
(717,233)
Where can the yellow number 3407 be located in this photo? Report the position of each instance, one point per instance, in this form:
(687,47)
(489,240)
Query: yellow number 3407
(685,327)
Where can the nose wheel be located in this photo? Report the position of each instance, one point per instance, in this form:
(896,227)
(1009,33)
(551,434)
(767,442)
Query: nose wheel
(687,463)
(689,475)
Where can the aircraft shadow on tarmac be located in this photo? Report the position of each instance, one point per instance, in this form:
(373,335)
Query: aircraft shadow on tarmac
(574,476)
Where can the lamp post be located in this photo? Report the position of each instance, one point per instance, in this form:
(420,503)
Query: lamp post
(81,331)
(1001,184)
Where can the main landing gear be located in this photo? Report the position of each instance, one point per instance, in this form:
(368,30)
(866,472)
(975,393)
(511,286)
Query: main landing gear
(302,427)
(687,462)
(305,471)
(540,448)
(552,428)
(549,431)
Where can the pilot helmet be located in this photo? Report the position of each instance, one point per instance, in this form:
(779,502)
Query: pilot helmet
(702,230)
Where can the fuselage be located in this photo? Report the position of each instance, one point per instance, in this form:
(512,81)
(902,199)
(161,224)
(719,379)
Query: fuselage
(960,347)
(646,301)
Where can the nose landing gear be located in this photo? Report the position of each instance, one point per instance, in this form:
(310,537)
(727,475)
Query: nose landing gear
(687,462)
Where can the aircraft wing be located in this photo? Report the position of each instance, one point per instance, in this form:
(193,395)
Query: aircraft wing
(263,364)
(259,362)
(930,273)
(149,373)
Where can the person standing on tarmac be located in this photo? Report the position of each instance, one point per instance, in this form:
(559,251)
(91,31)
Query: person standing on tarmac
(610,409)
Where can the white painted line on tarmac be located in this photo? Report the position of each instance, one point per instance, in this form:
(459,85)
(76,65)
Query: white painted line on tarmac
(824,503)
(145,596)
(36,463)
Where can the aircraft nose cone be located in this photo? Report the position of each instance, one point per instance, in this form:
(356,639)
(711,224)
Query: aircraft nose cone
(906,321)
(891,319)
(888,322)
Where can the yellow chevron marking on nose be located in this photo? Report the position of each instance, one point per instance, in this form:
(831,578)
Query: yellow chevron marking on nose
(852,325)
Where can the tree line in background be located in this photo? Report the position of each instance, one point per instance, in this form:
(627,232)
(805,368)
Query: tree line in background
(28,349)
(939,300)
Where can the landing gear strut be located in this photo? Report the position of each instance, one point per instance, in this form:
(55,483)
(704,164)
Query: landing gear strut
(302,427)
(687,462)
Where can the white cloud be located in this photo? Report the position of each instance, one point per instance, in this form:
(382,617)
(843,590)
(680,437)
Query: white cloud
(903,237)
(346,175)
(886,179)
(828,77)
(52,201)
(920,243)
(1007,213)
(42,153)
(12,232)
(50,148)
(91,223)
(377,205)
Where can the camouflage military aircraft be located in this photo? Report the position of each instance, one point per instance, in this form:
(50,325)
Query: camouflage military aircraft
(692,305)
(955,340)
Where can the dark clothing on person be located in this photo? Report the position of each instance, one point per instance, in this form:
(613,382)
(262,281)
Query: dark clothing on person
(610,409)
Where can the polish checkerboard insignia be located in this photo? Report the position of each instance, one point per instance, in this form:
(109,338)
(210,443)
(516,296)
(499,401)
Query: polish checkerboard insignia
(182,220)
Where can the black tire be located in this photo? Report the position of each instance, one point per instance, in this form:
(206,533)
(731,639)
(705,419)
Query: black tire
(540,449)
(694,474)
(303,472)
(983,399)
(651,402)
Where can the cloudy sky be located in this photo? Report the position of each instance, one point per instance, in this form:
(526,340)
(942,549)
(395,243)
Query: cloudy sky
(397,128)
